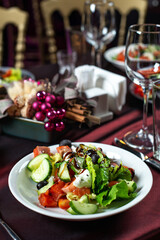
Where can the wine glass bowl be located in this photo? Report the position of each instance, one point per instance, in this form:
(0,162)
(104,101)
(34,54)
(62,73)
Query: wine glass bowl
(98,25)
(142,64)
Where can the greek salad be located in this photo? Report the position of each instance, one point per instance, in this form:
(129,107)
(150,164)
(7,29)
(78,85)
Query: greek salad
(79,179)
(10,75)
(140,51)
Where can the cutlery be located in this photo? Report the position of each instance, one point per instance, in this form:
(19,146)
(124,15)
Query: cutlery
(8,229)
(145,158)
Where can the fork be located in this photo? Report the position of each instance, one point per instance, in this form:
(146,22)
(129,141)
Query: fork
(8,229)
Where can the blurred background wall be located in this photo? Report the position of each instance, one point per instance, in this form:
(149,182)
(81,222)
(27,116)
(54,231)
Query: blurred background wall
(36,42)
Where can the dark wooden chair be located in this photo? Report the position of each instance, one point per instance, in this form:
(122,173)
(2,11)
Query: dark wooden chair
(65,8)
(124,8)
(18,18)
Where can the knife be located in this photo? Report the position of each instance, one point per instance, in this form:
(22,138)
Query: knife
(145,158)
(8,229)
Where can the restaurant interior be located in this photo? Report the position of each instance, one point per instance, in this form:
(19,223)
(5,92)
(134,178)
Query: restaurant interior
(79,119)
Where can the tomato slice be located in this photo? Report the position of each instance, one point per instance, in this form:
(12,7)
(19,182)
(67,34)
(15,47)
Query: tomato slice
(138,90)
(7,73)
(121,56)
(62,149)
(63,203)
(41,149)
(146,73)
(51,196)
(112,183)
(69,187)
(46,200)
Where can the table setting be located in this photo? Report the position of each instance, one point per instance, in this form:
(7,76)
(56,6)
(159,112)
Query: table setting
(66,124)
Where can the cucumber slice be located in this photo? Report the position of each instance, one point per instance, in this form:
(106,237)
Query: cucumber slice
(35,162)
(75,169)
(83,208)
(43,172)
(83,199)
(46,187)
(71,211)
(64,173)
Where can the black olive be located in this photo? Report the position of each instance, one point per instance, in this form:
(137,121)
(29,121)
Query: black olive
(93,154)
(90,152)
(41,184)
(95,158)
(65,142)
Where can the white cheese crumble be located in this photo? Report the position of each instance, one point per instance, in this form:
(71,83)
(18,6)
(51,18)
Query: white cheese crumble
(83,180)
(73,148)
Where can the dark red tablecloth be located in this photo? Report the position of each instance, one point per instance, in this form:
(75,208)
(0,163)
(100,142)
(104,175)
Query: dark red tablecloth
(141,222)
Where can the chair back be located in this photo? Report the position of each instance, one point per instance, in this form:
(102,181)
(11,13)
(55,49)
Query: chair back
(124,7)
(18,18)
(65,7)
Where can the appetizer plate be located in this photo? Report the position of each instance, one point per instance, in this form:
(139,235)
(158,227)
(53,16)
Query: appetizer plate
(24,189)
(111,53)
(25,74)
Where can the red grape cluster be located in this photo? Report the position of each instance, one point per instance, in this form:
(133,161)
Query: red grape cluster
(48,106)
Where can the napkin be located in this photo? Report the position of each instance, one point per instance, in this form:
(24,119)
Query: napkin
(113,84)
(4,105)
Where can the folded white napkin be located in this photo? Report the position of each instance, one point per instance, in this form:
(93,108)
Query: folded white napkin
(115,85)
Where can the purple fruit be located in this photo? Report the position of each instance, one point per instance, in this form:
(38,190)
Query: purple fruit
(59,126)
(41,95)
(45,107)
(40,116)
(50,99)
(49,126)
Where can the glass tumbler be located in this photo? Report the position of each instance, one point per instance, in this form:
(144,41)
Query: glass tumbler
(66,61)
(156,119)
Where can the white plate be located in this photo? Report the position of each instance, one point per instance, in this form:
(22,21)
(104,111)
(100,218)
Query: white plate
(24,189)
(112,52)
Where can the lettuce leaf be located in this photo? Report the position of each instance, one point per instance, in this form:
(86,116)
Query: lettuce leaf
(118,191)
(120,172)
(92,171)
(102,179)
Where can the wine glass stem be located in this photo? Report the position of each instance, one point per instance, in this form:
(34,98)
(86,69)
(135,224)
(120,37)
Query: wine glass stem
(97,57)
(145,110)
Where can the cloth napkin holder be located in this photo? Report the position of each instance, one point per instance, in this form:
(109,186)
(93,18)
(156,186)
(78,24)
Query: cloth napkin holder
(114,85)
(101,98)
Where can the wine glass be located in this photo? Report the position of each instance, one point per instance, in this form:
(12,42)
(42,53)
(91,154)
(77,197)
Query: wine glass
(98,26)
(142,65)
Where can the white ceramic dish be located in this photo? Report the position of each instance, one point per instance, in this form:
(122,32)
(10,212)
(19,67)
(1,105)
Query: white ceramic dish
(111,53)
(24,189)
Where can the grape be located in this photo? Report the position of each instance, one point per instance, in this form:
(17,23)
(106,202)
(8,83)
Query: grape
(60,113)
(59,126)
(51,114)
(41,95)
(59,100)
(36,105)
(40,116)
(50,99)
(49,126)
(45,107)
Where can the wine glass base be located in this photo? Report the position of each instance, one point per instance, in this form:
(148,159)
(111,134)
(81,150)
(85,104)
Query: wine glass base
(139,140)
